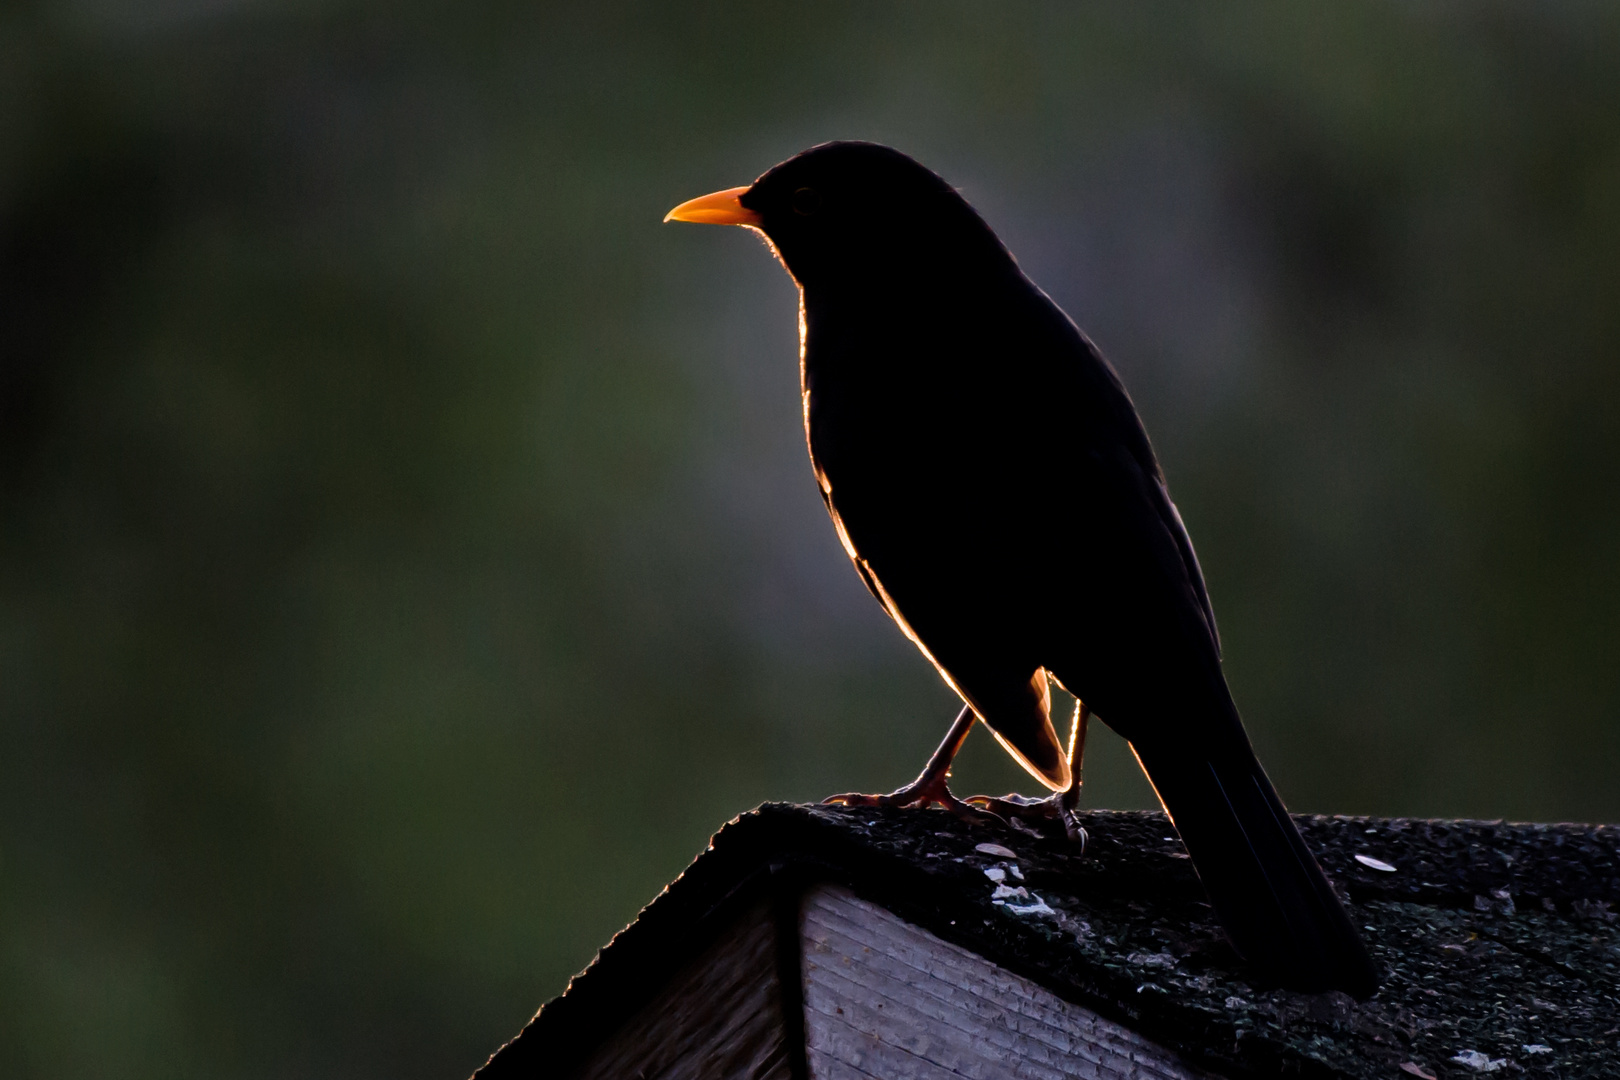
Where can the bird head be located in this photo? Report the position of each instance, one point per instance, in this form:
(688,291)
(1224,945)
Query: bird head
(850,211)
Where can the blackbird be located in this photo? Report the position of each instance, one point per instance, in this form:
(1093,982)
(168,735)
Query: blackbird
(989,477)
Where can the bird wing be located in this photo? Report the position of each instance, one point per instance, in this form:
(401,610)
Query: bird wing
(1170,517)
(1118,456)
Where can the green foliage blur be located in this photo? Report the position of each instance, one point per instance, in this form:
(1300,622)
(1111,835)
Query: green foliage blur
(408,552)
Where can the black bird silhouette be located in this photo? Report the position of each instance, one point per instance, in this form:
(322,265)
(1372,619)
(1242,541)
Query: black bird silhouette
(993,484)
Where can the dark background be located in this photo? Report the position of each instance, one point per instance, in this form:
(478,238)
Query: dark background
(409,555)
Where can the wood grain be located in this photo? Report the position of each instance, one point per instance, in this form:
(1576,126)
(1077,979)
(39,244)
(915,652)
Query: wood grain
(720,1018)
(888,1000)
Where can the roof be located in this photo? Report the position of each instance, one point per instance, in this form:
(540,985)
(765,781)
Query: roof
(1500,942)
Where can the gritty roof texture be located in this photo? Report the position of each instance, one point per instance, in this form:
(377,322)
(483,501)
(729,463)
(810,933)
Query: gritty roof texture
(1500,943)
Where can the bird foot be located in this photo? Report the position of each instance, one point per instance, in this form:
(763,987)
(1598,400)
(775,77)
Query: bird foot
(1038,813)
(920,794)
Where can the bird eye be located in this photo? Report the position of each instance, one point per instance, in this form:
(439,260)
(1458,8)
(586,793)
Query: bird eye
(806,201)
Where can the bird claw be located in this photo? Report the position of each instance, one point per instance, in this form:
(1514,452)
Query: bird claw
(1014,811)
(1021,810)
(918,795)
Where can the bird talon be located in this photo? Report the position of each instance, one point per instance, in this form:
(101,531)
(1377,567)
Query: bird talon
(1023,812)
(901,798)
(921,795)
(1075,831)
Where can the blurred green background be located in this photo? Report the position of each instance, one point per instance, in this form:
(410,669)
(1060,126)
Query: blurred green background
(409,555)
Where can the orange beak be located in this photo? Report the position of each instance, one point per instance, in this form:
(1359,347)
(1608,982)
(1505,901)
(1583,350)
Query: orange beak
(721,208)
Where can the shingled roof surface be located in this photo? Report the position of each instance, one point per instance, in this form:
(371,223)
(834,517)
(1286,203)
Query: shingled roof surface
(1499,942)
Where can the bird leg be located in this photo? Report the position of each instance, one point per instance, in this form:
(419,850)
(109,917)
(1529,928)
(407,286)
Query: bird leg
(930,787)
(1060,804)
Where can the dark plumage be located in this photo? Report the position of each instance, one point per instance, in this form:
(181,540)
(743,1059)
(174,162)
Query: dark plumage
(991,480)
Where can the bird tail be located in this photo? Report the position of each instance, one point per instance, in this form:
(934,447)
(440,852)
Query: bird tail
(1271,896)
